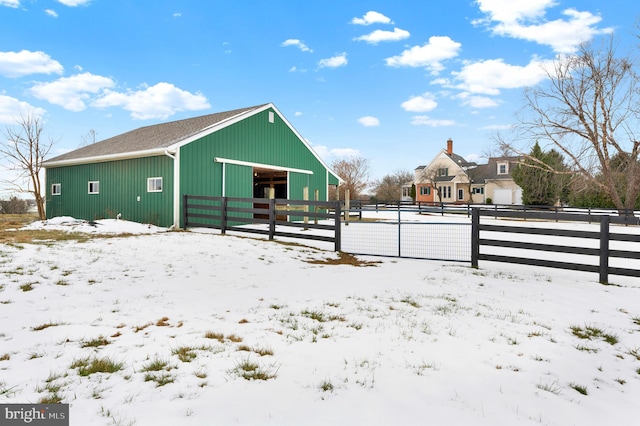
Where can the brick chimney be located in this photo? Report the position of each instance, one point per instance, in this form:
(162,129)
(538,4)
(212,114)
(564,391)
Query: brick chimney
(449,146)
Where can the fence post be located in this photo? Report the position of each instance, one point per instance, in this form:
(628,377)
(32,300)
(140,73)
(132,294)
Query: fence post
(604,250)
(338,229)
(316,196)
(272,218)
(475,237)
(347,206)
(223,224)
(305,197)
(399,233)
(185,211)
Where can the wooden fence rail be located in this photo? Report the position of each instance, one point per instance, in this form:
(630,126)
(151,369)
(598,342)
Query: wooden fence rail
(237,214)
(603,252)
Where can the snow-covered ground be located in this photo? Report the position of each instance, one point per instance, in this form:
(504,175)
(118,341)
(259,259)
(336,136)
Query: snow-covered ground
(400,341)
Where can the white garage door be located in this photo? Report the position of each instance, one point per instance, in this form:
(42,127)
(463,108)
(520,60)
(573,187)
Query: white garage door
(502,196)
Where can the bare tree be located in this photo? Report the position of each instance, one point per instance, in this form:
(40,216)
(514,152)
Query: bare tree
(26,151)
(430,176)
(589,110)
(389,188)
(355,173)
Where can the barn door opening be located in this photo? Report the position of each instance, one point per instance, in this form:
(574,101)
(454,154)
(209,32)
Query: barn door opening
(265,180)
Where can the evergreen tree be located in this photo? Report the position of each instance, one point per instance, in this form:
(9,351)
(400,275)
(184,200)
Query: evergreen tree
(543,177)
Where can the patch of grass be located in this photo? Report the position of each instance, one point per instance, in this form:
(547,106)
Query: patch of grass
(314,315)
(5,390)
(343,259)
(87,366)
(94,343)
(45,325)
(62,282)
(5,357)
(243,321)
(274,306)
(138,328)
(551,387)
(326,386)
(621,381)
(410,301)
(636,320)
(634,352)
(234,338)
(579,388)
(26,287)
(185,353)
(259,351)
(249,370)
(591,332)
(586,348)
(162,322)
(160,379)
(214,335)
(156,364)
(52,398)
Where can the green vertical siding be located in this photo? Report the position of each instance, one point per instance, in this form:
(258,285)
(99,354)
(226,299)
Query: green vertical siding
(121,183)
(254,140)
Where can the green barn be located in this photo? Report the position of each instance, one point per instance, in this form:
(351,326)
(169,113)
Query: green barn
(142,175)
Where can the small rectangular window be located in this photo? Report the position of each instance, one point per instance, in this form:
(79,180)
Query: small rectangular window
(460,194)
(271,117)
(502,169)
(94,187)
(56,189)
(154,184)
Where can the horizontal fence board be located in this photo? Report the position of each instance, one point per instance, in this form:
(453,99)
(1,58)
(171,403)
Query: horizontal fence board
(539,262)
(540,231)
(540,247)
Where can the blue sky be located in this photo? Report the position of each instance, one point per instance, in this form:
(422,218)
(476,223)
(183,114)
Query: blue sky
(389,81)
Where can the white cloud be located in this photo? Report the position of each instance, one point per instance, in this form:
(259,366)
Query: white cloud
(372,17)
(297,43)
(329,155)
(25,62)
(430,55)
(10,3)
(176,14)
(489,76)
(11,108)
(74,3)
(298,113)
(334,62)
(526,20)
(423,103)
(72,93)
(513,11)
(378,36)
(423,120)
(51,13)
(369,121)
(477,101)
(160,101)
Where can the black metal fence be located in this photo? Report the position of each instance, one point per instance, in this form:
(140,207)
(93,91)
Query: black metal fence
(265,216)
(511,236)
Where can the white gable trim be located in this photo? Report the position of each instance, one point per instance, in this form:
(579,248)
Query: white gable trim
(260,165)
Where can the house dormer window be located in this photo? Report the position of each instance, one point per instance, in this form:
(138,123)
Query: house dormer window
(503,168)
(443,171)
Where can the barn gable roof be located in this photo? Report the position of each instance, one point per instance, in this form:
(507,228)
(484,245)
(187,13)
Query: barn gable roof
(148,139)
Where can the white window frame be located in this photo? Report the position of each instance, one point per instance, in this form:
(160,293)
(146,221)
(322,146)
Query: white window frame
(93,187)
(506,168)
(56,188)
(272,116)
(460,194)
(151,187)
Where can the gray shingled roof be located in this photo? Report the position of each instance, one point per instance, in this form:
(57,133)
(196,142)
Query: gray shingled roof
(152,137)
